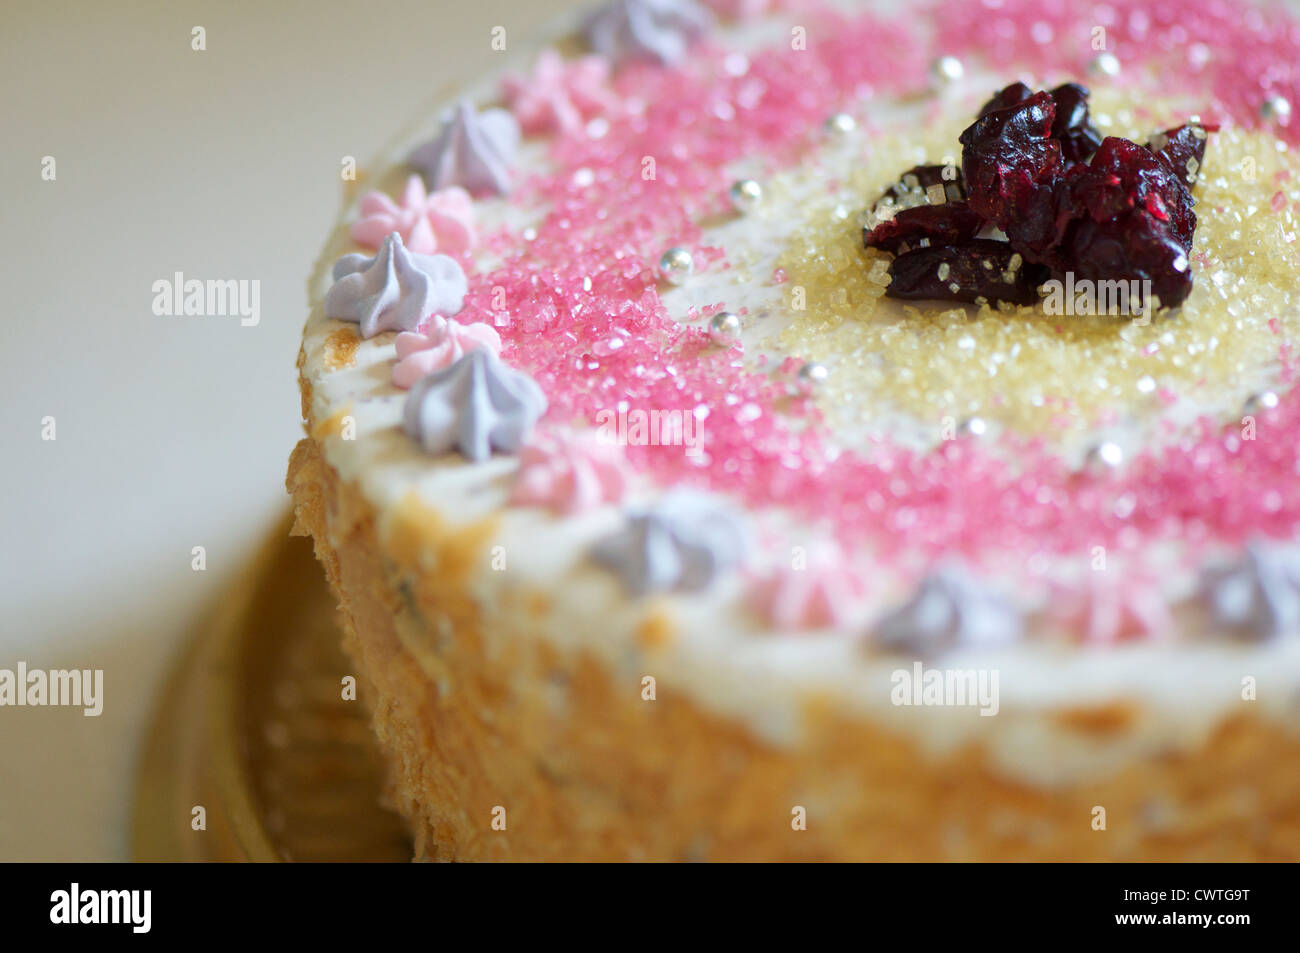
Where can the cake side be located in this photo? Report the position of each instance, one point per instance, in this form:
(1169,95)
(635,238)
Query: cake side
(586,769)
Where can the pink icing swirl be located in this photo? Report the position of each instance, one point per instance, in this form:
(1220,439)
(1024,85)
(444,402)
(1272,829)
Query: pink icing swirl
(439,343)
(570,471)
(440,221)
(559,95)
(821,594)
(1111,607)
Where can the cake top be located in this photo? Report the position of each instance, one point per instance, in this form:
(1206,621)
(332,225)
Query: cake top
(745,318)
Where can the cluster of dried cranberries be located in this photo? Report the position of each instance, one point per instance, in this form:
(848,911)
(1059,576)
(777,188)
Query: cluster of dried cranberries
(1035,169)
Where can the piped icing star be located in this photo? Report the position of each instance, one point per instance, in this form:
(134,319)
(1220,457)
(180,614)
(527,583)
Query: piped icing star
(657,30)
(950,609)
(428,222)
(476,405)
(1259,594)
(559,96)
(439,343)
(473,150)
(1111,607)
(817,595)
(395,290)
(681,543)
(570,471)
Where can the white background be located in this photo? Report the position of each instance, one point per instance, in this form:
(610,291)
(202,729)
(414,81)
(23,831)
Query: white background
(172,432)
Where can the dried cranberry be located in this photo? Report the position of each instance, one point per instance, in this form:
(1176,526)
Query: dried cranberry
(1014,94)
(1181,149)
(947,224)
(1072,126)
(1121,176)
(977,269)
(1124,176)
(1133,248)
(1036,230)
(1006,155)
(1123,217)
(1068,201)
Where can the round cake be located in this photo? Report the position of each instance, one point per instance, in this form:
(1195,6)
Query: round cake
(807,430)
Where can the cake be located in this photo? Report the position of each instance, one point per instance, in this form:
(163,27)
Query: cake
(787,430)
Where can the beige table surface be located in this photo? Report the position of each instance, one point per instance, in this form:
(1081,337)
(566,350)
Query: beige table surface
(172,432)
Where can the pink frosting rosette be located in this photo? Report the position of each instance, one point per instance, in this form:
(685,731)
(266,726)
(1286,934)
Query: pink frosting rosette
(570,472)
(822,591)
(559,95)
(439,343)
(441,221)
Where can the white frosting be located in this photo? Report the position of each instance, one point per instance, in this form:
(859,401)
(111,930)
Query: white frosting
(722,657)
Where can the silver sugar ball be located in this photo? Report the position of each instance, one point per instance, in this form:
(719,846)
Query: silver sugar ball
(724,328)
(1105,456)
(1264,400)
(1276,109)
(676,265)
(841,124)
(973,427)
(1104,64)
(745,194)
(946,70)
(811,377)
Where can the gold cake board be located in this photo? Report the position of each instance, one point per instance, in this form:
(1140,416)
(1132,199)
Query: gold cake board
(252,727)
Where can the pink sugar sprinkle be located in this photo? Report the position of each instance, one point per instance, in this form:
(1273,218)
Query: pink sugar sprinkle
(1247,52)
(767,450)
(1278,202)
